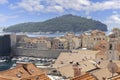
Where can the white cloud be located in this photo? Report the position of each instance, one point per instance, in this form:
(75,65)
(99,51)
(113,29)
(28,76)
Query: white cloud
(85,5)
(12,6)
(3,1)
(31,5)
(113,21)
(28,5)
(54,9)
(108,4)
(115,18)
(72,4)
(62,5)
(50,5)
(4,18)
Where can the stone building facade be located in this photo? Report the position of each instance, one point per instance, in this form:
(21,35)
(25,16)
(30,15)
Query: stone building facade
(60,43)
(40,43)
(114,45)
(67,42)
(92,38)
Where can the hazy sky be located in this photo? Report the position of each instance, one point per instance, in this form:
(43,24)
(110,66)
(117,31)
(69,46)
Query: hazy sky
(19,11)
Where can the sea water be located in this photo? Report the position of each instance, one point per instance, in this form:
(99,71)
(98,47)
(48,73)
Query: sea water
(6,65)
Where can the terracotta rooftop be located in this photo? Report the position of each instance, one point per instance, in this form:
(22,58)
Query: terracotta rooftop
(104,70)
(75,56)
(67,59)
(86,76)
(115,77)
(67,70)
(23,72)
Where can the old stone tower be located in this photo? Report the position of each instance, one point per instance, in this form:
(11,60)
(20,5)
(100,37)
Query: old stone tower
(114,45)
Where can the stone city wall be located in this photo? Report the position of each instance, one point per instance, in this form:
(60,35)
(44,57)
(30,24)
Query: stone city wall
(37,53)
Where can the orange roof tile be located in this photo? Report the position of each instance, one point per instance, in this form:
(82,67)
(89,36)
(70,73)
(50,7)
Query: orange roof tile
(86,76)
(23,71)
(115,77)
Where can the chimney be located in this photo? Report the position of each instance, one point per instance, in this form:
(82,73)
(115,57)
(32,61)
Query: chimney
(77,70)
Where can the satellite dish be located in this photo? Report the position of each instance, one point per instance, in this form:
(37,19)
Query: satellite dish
(112,67)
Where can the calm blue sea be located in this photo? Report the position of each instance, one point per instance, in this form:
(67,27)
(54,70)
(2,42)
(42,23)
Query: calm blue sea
(6,65)
(54,35)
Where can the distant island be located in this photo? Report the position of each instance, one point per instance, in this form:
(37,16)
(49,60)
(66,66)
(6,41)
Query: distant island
(65,23)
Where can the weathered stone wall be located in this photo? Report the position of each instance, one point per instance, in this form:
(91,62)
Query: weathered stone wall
(37,53)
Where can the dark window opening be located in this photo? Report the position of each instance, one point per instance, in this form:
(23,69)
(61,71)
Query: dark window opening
(110,47)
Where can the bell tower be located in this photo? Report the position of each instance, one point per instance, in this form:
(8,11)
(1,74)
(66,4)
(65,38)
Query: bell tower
(114,39)
(112,51)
